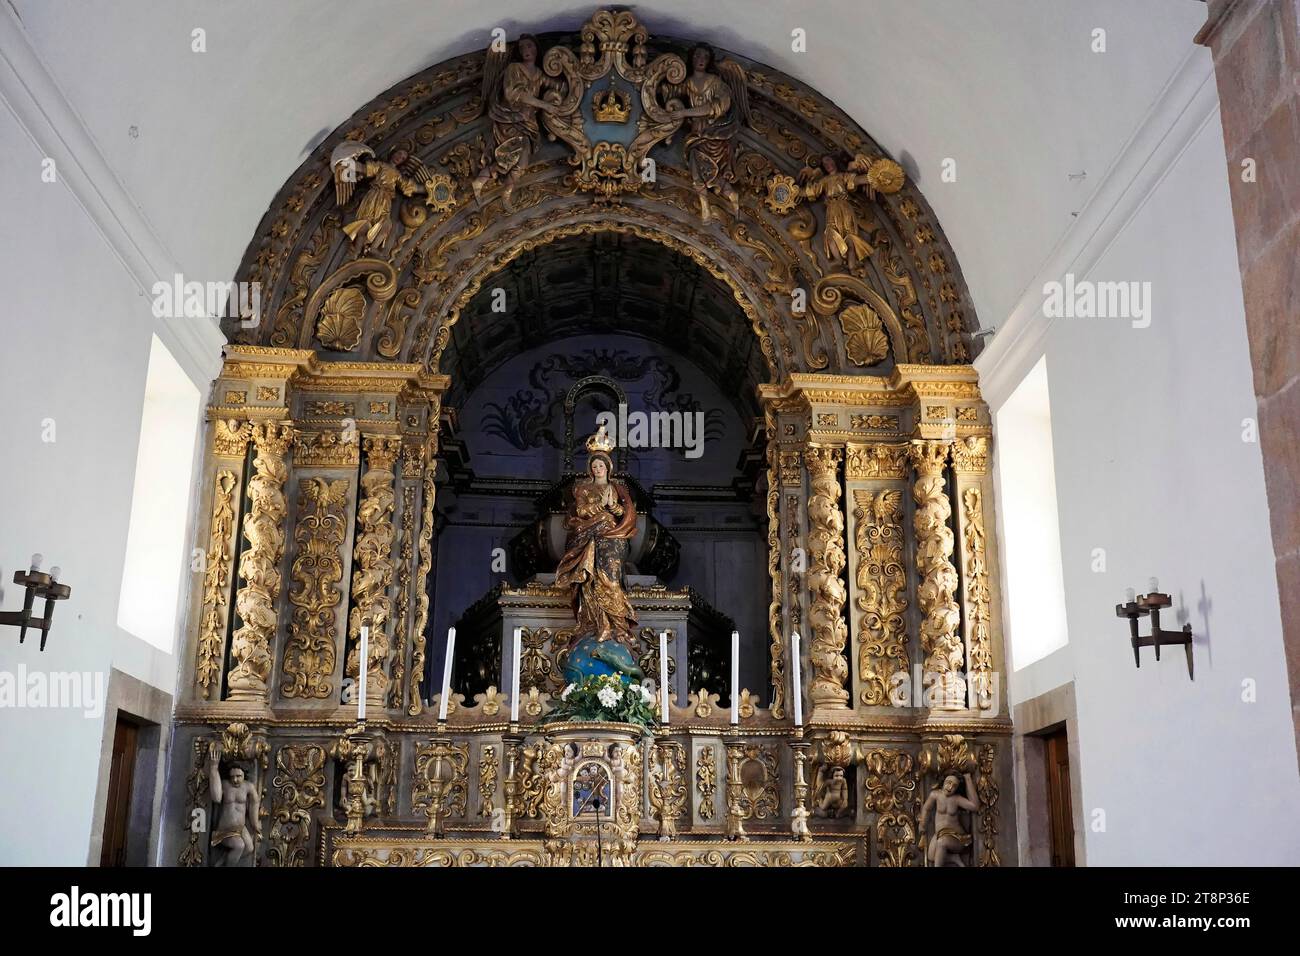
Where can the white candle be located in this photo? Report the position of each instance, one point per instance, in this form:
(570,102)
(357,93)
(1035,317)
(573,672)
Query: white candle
(446,673)
(514,686)
(363,666)
(1129,596)
(798,680)
(735,677)
(663,678)
(1154,586)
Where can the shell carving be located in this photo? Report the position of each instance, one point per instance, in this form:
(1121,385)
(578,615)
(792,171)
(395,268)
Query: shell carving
(339,327)
(864,335)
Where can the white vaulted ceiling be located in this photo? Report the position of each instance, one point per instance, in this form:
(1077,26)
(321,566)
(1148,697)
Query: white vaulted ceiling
(1009,89)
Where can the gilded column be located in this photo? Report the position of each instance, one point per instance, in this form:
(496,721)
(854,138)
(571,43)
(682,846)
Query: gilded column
(826,561)
(775,631)
(229,440)
(970,463)
(415,705)
(372,573)
(940,643)
(880,572)
(259,566)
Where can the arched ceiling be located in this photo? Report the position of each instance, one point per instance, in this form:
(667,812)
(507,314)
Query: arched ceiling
(611,283)
(1009,89)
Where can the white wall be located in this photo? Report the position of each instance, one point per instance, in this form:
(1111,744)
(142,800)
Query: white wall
(1151,466)
(76,331)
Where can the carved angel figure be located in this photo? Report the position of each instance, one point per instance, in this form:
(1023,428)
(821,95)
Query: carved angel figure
(515,92)
(842,238)
(717,105)
(372,225)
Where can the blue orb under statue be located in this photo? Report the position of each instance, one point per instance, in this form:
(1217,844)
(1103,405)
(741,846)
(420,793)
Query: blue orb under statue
(590,657)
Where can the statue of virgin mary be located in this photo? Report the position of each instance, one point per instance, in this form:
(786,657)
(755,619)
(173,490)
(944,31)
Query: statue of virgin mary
(601,521)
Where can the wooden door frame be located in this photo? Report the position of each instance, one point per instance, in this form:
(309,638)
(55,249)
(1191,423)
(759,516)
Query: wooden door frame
(151,708)
(1033,719)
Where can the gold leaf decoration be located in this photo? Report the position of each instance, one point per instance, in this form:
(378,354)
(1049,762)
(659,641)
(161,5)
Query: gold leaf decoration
(865,340)
(339,328)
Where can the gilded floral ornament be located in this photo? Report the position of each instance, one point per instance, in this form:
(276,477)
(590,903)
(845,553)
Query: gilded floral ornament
(339,326)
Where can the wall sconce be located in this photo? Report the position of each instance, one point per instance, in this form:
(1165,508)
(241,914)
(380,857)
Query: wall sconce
(38,584)
(1141,606)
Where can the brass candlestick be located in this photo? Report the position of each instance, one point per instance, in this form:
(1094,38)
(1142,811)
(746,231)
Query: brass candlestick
(735,815)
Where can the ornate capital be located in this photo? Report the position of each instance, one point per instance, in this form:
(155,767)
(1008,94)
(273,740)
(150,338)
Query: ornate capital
(822,458)
(272,438)
(928,456)
(382,451)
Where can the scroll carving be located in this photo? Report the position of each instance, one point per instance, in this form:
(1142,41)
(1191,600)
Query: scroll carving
(776,632)
(826,560)
(403,628)
(706,782)
(415,705)
(667,788)
(299,785)
(891,796)
(488,771)
(259,567)
(452,760)
(977,599)
(216,582)
(987,790)
(882,585)
(309,654)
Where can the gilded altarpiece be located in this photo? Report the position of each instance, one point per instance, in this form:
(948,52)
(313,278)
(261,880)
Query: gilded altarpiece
(318,502)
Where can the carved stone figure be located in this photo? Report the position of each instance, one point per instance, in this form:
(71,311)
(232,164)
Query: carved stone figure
(372,224)
(832,796)
(515,92)
(238,825)
(950,836)
(717,105)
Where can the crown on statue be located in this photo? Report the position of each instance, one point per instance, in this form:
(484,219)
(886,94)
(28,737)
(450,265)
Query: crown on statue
(612,105)
(600,441)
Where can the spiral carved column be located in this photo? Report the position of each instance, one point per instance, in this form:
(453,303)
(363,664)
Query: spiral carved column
(372,573)
(259,567)
(942,676)
(826,561)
